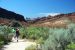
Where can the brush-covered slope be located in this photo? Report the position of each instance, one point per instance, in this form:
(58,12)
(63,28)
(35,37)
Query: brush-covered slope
(60,20)
(7,17)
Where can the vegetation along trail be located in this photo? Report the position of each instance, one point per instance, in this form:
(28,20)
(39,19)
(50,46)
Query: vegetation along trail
(21,45)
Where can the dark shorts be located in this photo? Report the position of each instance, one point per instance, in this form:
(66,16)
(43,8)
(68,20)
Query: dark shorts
(17,36)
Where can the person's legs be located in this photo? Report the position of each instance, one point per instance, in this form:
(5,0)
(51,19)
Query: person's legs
(17,37)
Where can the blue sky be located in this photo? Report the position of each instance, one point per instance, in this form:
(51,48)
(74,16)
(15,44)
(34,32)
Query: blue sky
(35,8)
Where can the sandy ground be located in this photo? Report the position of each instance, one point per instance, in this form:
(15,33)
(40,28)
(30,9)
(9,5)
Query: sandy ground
(21,45)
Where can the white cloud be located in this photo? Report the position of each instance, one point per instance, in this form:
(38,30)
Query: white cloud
(46,14)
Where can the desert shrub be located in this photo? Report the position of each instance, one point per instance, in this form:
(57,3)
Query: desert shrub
(16,24)
(70,46)
(40,41)
(59,38)
(5,35)
(1,44)
(7,32)
(53,39)
(23,33)
(3,38)
(32,47)
(37,32)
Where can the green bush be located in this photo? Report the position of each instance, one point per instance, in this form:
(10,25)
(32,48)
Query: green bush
(71,46)
(59,38)
(34,32)
(16,24)
(40,41)
(1,40)
(23,33)
(32,47)
(5,35)
(1,43)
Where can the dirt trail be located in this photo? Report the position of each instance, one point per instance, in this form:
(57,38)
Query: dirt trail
(21,45)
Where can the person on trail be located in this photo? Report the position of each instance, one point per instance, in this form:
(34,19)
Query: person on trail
(17,34)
